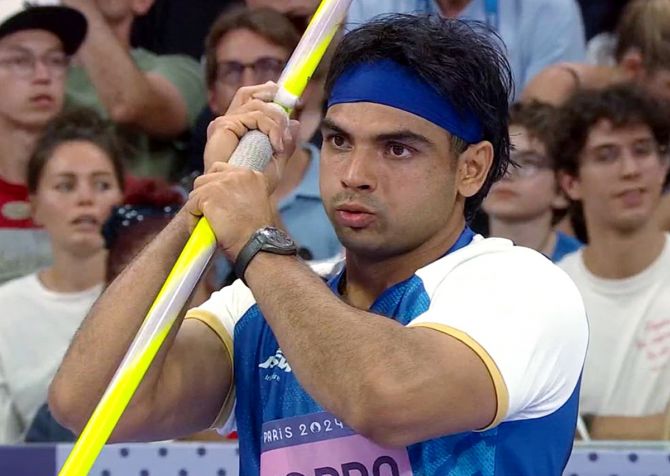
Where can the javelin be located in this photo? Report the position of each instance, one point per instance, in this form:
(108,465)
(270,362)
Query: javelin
(254,151)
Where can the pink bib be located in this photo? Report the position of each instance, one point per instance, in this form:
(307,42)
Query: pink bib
(319,444)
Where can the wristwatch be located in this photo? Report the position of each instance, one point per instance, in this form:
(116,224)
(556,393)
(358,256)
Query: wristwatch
(270,239)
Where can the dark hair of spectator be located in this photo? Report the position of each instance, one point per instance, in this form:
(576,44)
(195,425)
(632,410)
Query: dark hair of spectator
(622,105)
(266,22)
(645,27)
(536,117)
(460,60)
(75,125)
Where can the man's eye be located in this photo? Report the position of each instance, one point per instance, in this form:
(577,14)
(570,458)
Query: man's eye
(399,151)
(64,186)
(338,141)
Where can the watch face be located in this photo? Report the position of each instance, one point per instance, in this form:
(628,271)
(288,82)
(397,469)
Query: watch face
(277,237)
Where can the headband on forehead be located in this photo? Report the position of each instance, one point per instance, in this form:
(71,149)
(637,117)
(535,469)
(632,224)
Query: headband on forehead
(392,84)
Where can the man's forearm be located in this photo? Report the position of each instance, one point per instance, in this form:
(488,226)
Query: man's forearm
(105,335)
(333,348)
(125,91)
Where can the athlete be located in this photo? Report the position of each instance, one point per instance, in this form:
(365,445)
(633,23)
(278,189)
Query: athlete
(428,351)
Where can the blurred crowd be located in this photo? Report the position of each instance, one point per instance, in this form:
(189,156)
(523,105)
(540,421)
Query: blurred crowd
(104,109)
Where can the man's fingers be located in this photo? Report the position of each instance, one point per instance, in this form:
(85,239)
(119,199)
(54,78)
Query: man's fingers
(277,114)
(264,92)
(222,141)
(221,144)
(267,125)
(194,213)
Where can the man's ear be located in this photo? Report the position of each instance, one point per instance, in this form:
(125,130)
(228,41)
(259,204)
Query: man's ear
(570,185)
(473,167)
(141,7)
(632,64)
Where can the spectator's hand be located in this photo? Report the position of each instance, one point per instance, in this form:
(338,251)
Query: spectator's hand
(288,7)
(251,109)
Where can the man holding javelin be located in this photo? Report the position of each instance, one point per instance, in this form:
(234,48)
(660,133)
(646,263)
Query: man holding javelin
(428,351)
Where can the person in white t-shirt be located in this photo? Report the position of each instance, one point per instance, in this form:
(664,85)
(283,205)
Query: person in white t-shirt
(75,177)
(610,153)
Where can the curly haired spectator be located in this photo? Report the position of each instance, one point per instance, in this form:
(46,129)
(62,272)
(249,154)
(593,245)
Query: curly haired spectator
(610,151)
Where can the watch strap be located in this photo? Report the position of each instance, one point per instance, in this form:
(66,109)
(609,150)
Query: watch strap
(259,242)
(245,255)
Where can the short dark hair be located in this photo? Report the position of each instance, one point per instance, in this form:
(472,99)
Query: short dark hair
(75,125)
(536,117)
(460,60)
(266,22)
(622,105)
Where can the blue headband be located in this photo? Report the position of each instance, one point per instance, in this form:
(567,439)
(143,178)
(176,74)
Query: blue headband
(391,84)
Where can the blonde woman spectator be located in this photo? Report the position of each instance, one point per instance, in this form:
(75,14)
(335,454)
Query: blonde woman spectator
(642,55)
(75,177)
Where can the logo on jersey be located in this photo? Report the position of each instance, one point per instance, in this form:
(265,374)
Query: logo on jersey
(276,361)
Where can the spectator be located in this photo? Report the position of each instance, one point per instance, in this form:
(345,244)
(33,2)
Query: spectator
(251,46)
(34,46)
(527,203)
(75,177)
(148,207)
(155,99)
(536,33)
(610,151)
(642,55)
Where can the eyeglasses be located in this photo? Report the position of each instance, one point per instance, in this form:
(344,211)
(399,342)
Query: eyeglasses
(527,164)
(265,69)
(24,64)
(640,151)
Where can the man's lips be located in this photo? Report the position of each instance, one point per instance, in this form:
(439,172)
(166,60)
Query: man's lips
(42,99)
(632,197)
(354,215)
(86,221)
(503,192)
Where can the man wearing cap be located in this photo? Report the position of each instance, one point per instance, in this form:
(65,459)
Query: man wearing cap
(35,45)
(154,99)
(429,351)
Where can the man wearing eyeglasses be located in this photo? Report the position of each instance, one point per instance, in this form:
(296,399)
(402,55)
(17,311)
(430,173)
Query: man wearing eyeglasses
(250,46)
(526,204)
(35,45)
(610,150)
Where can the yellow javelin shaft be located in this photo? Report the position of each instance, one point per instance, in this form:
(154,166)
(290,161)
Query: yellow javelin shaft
(188,267)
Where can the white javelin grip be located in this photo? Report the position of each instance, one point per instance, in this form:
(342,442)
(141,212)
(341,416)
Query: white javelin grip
(254,151)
